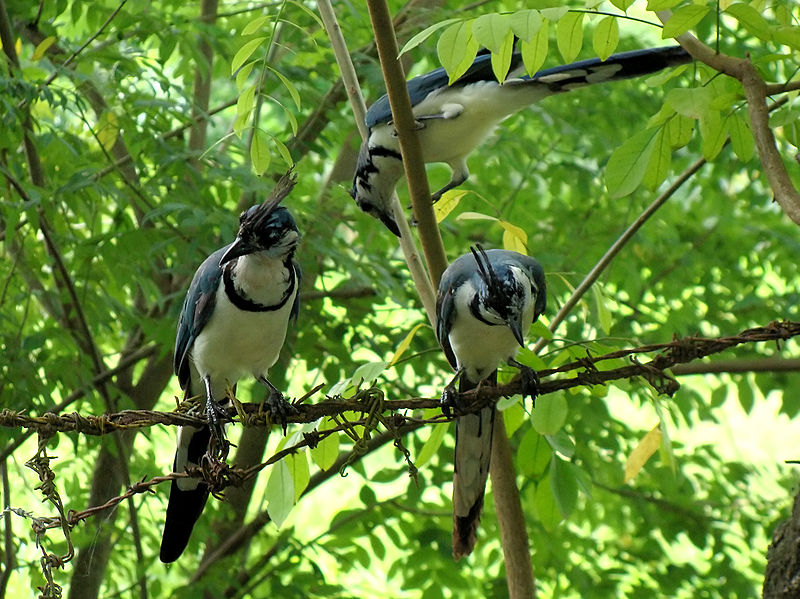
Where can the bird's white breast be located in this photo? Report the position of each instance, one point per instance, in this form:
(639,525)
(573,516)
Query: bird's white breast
(479,348)
(235,343)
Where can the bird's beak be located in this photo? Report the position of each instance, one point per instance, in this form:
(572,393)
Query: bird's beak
(390,223)
(236,249)
(515,324)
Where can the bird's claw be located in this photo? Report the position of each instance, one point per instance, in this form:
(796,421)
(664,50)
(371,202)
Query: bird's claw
(449,401)
(279,409)
(530,382)
(215,416)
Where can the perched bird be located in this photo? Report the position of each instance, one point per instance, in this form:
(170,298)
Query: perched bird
(233,324)
(453,120)
(487,301)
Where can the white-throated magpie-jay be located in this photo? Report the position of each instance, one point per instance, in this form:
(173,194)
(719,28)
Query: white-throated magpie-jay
(452,120)
(233,324)
(487,301)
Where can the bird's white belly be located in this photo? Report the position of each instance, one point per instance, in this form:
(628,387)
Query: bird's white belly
(483,106)
(479,348)
(235,343)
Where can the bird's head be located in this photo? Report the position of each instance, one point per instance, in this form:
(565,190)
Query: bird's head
(505,293)
(266,227)
(378,171)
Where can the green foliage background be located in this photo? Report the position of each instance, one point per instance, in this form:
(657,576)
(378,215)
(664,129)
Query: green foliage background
(141,181)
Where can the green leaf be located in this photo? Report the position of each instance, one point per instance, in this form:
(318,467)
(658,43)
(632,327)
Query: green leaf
(790,36)
(476,216)
(683,19)
(654,5)
(255,25)
(369,371)
(501,58)
(297,464)
(550,413)
(561,443)
(246,102)
(628,164)
(283,151)
(279,493)
(660,161)
(289,86)
(679,130)
(405,344)
(490,30)
(244,53)
(513,415)
(457,49)
(431,445)
(606,37)
(260,156)
(564,484)
(603,313)
(569,35)
(741,137)
(751,20)
(623,5)
(533,455)
(327,450)
(534,52)
(545,505)
(691,102)
(525,24)
(425,34)
(448,202)
(714,131)
(242,75)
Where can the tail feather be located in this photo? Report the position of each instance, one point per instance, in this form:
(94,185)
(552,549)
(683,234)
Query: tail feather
(187,503)
(472,457)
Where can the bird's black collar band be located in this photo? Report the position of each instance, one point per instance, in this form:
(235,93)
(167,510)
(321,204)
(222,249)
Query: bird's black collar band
(248,305)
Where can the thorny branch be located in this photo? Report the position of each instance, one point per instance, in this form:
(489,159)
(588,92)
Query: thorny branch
(371,406)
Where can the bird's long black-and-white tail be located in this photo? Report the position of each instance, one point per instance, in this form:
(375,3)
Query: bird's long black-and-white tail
(187,503)
(625,65)
(471,463)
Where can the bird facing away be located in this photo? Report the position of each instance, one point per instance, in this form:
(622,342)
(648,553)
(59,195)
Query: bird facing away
(487,301)
(453,120)
(233,324)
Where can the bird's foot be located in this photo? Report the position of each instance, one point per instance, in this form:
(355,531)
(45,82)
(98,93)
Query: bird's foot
(529,380)
(278,407)
(449,402)
(216,416)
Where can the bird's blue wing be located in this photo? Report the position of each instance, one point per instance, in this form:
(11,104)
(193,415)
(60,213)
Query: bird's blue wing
(296,304)
(419,87)
(451,280)
(197,309)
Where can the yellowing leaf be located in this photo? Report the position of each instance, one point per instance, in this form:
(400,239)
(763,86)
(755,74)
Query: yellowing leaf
(642,452)
(514,238)
(107,130)
(404,344)
(40,50)
(447,203)
(475,216)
